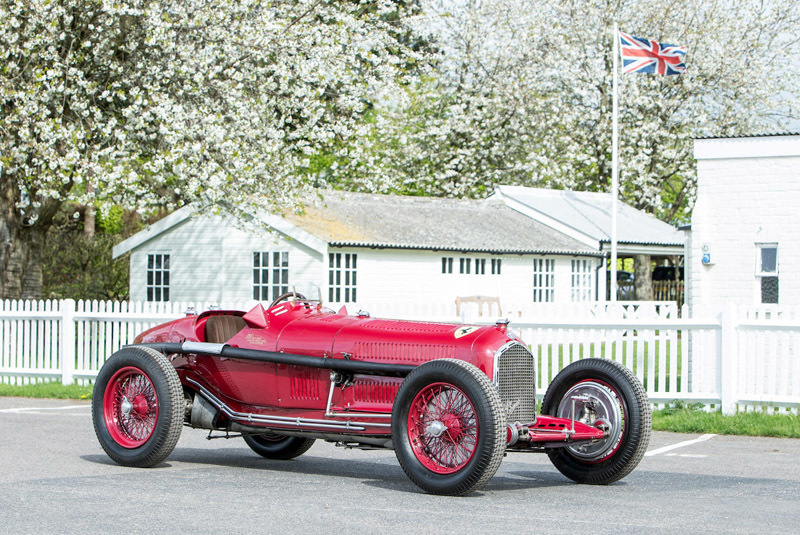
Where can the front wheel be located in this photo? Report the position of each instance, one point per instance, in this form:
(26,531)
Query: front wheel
(601,393)
(448,427)
(138,407)
(275,446)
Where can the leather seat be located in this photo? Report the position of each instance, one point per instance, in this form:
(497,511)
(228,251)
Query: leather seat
(220,329)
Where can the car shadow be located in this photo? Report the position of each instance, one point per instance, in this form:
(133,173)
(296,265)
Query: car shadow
(383,473)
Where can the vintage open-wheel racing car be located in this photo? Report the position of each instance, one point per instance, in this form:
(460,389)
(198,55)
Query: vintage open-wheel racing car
(450,399)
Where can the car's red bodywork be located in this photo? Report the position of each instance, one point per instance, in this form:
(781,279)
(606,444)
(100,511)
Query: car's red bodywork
(300,328)
(449,399)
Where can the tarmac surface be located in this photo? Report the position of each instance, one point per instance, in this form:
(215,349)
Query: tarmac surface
(55,478)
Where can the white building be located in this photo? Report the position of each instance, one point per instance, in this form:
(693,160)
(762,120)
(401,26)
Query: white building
(363,248)
(744,248)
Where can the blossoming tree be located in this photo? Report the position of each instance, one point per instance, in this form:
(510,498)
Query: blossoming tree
(142,101)
(522,94)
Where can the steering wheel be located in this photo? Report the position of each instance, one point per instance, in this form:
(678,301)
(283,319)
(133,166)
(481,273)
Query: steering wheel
(287,295)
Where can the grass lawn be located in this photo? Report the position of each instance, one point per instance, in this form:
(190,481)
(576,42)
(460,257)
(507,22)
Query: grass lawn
(689,420)
(47,390)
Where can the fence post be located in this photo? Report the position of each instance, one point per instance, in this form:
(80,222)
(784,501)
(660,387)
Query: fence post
(67,349)
(728,361)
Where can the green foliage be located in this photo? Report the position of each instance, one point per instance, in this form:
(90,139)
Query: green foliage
(77,266)
(112,221)
(53,390)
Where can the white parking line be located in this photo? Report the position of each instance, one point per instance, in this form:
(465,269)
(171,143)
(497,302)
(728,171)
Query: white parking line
(685,443)
(37,409)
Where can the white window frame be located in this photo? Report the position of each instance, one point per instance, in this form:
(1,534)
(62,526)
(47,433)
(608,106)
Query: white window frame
(447,265)
(544,280)
(342,277)
(157,277)
(582,272)
(270,274)
(759,260)
(497,266)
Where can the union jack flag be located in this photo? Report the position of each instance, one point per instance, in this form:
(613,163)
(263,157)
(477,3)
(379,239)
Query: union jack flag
(647,56)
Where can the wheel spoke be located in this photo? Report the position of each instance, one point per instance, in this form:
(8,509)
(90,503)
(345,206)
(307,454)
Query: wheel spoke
(453,448)
(131,407)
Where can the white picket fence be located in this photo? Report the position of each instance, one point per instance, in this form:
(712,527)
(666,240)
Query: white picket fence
(734,359)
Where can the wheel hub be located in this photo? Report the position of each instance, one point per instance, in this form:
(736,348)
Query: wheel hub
(450,426)
(595,404)
(435,429)
(126,407)
(140,405)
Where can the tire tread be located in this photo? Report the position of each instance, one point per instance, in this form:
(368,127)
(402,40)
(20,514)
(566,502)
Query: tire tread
(639,427)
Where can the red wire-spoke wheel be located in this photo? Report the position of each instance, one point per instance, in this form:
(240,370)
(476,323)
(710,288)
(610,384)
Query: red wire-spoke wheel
(138,407)
(448,427)
(443,428)
(605,394)
(130,407)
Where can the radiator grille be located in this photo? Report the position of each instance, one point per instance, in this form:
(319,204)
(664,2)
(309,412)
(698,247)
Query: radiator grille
(516,382)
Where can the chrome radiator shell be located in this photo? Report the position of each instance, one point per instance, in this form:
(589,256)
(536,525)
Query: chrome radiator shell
(515,379)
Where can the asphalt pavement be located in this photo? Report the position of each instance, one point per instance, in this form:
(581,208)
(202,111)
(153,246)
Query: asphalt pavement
(55,478)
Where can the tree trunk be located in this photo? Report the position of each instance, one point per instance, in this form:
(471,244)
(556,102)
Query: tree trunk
(643,277)
(89,217)
(21,243)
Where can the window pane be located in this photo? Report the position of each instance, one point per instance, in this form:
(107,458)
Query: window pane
(150,261)
(769,259)
(166,261)
(769,290)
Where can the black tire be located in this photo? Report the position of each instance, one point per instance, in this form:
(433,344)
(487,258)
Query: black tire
(275,446)
(617,392)
(470,443)
(141,431)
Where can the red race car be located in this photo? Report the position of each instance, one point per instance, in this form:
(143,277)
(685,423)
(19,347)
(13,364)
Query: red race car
(450,400)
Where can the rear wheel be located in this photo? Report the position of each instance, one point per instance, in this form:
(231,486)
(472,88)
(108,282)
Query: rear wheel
(138,407)
(604,394)
(448,427)
(275,446)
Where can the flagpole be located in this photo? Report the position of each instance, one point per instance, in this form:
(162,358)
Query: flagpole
(614,167)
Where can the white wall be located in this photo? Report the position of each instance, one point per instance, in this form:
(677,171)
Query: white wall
(195,273)
(415,276)
(211,260)
(748,193)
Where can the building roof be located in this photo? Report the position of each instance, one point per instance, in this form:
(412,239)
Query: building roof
(766,146)
(739,136)
(346,219)
(589,214)
(517,220)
